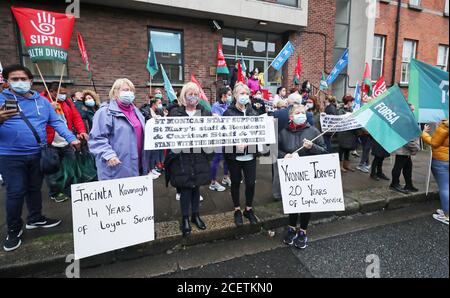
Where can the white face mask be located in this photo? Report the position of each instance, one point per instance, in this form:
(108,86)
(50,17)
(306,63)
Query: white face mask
(62,97)
(126,97)
(244,99)
(89,103)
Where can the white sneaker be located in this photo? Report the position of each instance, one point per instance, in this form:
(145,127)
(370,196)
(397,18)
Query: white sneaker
(226,181)
(217,187)
(362,169)
(440,212)
(201,199)
(441,218)
(156,173)
(178,196)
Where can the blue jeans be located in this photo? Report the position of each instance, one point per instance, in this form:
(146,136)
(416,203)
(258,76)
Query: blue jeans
(23,178)
(439,169)
(327,140)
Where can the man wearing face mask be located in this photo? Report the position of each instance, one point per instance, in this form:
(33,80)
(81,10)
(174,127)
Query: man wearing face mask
(68,112)
(20,151)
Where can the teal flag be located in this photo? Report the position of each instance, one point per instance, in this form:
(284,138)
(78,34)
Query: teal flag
(244,66)
(389,119)
(152,64)
(171,95)
(428,92)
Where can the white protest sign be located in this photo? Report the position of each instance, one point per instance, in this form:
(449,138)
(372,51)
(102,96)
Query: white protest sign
(336,123)
(199,132)
(311,184)
(112,214)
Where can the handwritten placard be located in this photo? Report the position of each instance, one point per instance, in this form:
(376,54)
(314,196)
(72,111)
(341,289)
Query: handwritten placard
(338,123)
(198,132)
(113,214)
(311,184)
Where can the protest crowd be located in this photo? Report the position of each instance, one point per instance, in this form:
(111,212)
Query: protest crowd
(66,136)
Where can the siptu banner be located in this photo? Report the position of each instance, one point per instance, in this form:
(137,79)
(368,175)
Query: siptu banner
(46,34)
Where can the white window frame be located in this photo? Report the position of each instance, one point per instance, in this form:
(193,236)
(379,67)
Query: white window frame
(446,7)
(444,65)
(415,3)
(383,43)
(404,75)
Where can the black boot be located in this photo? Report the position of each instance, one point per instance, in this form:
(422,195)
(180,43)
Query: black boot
(198,221)
(186,227)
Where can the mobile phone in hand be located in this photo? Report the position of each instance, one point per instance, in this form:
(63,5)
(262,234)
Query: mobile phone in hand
(10,104)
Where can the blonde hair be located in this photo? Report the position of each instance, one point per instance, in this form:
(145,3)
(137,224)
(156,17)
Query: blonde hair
(186,88)
(281,103)
(295,108)
(114,92)
(238,87)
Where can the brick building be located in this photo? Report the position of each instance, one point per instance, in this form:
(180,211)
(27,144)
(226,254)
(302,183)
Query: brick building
(409,29)
(185,39)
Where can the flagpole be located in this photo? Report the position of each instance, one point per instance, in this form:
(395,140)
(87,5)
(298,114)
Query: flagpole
(93,83)
(60,79)
(429,173)
(150,86)
(43,81)
(328,130)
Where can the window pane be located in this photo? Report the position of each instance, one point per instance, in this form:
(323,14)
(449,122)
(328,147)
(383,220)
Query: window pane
(251,43)
(378,47)
(174,72)
(409,50)
(342,11)
(405,73)
(168,49)
(414,2)
(339,87)
(228,42)
(376,69)
(340,36)
(274,45)
(288,2)
(442,55)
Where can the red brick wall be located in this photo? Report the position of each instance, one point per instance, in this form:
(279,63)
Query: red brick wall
(428,29)
(311,46)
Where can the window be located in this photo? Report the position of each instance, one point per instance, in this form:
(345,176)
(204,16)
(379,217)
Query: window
(414,3)
(409,52)
(446,8)
(168,47)
(442,60)
(51,70)
(378,56)
(293,3)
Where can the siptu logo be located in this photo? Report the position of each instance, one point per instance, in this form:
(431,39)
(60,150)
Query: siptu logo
(46,23)
(373,269)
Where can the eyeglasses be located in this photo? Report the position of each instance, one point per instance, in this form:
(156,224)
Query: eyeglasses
(16,79)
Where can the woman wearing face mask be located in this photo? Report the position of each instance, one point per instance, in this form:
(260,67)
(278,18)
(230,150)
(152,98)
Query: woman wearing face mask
(218,108)
(298,134)
(313,107)
(253,82)
(117,135)
(188,169)
(348,140)
(242,159)
(90,103)
(258,103)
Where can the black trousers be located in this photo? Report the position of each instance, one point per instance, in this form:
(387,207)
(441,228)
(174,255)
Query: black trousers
(377,166)
(189,197)
(344,154)
(304,220)
(236,169)
(403,163)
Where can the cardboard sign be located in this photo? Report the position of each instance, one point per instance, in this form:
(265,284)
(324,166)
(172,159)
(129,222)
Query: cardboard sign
(311,184)
(199,132)
(113,214)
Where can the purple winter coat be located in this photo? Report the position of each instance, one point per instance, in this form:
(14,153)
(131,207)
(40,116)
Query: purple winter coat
(112,135)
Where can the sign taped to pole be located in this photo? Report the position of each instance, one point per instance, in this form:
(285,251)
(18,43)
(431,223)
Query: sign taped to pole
(338,123)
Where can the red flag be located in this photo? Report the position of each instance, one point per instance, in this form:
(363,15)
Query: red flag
(221,63)
(380,87)
(240,75)
(366,86)
(83,53)
(47,34)
(202,93)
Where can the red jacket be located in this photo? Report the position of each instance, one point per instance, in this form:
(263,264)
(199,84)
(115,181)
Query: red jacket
(74,121)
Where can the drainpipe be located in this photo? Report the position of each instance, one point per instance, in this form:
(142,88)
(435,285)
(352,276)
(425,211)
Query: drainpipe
(397,32)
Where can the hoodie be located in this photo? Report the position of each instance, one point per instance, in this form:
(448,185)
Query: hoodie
(16,137)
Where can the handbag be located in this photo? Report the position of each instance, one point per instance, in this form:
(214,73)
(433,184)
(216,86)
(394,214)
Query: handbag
(50,160)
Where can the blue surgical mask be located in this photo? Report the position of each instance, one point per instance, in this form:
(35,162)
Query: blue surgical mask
(126,97)
(244,100)
(300,119)
(160,107)
(192,100)
(89,103)
(21,87)
(229,99)
(62,97)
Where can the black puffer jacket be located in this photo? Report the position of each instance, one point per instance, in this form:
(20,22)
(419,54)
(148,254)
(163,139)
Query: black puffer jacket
(290,140)
(145,110)
(230,151)
(187,170)
(347,139)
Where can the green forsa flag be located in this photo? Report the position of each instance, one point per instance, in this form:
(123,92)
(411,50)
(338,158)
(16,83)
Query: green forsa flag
(389,120)
(428,92)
